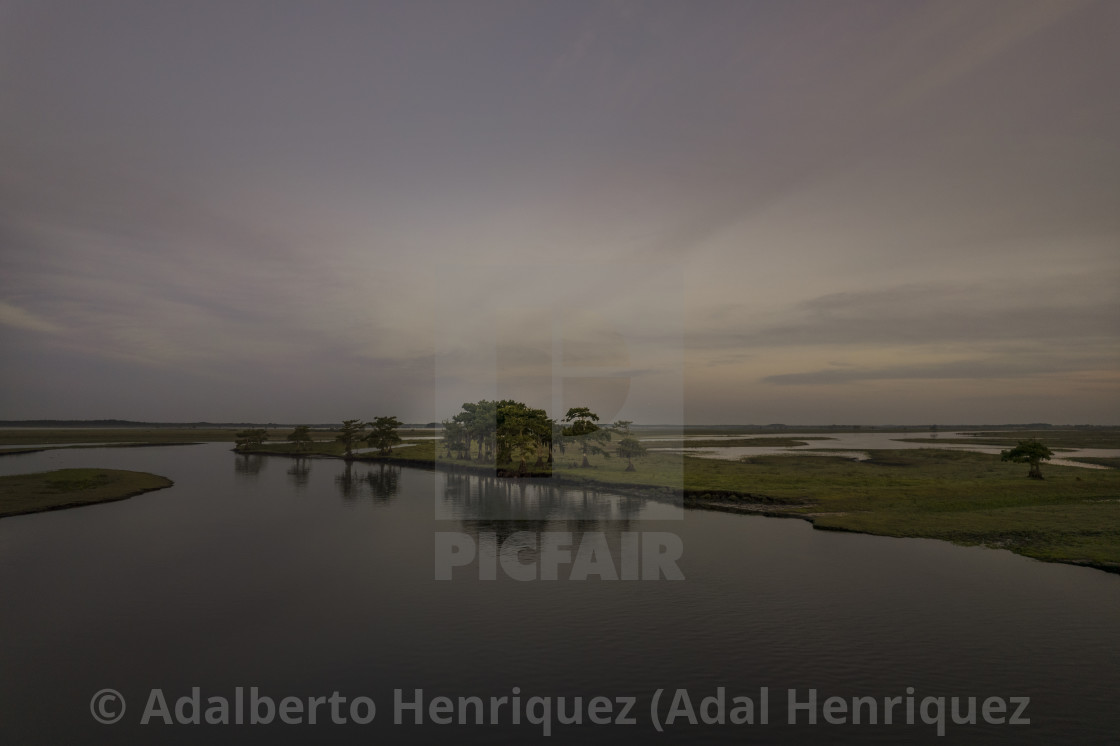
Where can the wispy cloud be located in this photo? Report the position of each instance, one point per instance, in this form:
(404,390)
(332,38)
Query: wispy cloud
(1069,308)
(984,368)
(315,211)
(21,318)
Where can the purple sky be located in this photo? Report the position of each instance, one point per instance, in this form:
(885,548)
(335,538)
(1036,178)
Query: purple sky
(730,212)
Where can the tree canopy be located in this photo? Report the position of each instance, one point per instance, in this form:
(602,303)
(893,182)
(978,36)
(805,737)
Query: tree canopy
(522,431)
(349,433)
(509,431)
(581,427)
(301,437)
(1032,452)
(251,437)
(629,447)
(455,438)
(383,435)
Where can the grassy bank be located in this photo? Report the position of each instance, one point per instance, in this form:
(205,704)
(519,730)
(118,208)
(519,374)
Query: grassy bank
(154,435)
(1073,515)
(69,488)
(16,441)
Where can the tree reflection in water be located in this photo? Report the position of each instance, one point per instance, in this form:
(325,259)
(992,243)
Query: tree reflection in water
(384,483)
(248,464)
(347,483)
(501,498)
(300,472)
(381,483)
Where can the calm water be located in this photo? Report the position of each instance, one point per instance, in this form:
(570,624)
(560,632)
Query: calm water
(305,579)
(856,445)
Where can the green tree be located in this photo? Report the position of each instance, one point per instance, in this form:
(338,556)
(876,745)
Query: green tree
(251,437)
(349,433)
(629,447)
(479,420)
(548,430)
(301,437)
(590,437)
(383,435)
(454,438)
(1032,452)
(559,440)
(521,430)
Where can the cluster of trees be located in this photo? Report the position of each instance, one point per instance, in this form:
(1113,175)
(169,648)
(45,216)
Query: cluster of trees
(250,437)
(498,432)
(301,438)
(382,435)
(503,431)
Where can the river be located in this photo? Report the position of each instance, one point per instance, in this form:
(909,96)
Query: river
(307,578)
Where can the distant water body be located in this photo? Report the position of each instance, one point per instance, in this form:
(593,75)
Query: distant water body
(856,445)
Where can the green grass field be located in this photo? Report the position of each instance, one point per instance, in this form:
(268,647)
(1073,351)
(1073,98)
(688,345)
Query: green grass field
(14,441)
(70,488)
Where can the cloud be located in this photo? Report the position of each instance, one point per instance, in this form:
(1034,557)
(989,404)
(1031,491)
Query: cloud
(992,368)
(20,318)
(1067,309)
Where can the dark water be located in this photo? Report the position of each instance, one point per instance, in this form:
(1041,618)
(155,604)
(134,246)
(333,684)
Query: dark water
(302,581)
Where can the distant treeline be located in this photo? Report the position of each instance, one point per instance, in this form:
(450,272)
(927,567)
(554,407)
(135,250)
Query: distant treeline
(133,423)
(335,425)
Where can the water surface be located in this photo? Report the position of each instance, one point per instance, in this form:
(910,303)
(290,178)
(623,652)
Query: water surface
(856,445)
(305,577)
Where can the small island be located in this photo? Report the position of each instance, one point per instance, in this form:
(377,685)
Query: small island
(71,488)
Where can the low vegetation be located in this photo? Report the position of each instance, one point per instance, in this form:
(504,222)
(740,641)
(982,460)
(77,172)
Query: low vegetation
(68,488)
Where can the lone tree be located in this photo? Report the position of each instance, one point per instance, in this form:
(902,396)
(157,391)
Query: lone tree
(301,437)
(350,431)
(1032,452)
(630,448)
(581,427)
(384,434)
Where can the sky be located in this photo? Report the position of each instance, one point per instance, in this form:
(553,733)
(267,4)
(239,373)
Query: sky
(674,212)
